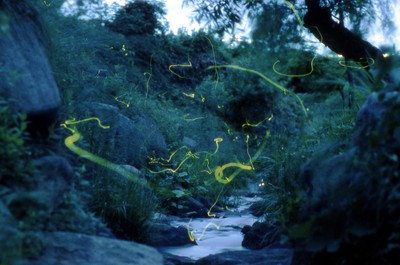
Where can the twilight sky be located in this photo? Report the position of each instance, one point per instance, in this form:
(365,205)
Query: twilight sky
(180,17)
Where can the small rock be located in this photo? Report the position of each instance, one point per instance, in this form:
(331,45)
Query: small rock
(260,235)
(189,142)
(167,235)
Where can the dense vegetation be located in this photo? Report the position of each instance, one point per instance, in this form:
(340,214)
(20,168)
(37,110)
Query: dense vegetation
(209,116)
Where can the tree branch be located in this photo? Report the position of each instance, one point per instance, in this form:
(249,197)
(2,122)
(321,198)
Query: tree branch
(337,37)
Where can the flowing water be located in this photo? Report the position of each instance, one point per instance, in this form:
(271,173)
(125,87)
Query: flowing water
(215,235)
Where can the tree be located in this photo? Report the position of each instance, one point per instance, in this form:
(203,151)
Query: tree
(319,19)
(138,18)
(325,19)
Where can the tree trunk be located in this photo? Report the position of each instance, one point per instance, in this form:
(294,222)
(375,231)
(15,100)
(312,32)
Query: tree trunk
(337,37)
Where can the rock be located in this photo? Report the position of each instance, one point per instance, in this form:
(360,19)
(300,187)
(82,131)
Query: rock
(246,229)
(377,121)
(56,178)
(49,204)
(30,208)
(168,235)
(132,169)
(260,235)
(189,142)
(195,207)
(10,237)
(64,248)
(351,207)
(270,256)
(386,71)
(25,72)
(170,259)
(192,207)
(136,172)
(257,209)
(126,141)
(154,139)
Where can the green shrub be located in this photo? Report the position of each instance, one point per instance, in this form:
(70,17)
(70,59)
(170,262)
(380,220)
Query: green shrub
(124,206)
(14,162)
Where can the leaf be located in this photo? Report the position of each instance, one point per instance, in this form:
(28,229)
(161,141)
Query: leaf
(178,193)
(183,174)
(300,230)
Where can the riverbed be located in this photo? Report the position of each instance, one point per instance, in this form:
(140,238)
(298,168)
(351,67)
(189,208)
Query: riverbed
(215,235)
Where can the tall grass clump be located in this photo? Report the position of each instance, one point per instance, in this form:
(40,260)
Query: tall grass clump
(125,207)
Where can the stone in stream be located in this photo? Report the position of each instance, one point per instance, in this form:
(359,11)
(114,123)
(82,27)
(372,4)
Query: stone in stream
(259,235)
(196,207)
(167,235)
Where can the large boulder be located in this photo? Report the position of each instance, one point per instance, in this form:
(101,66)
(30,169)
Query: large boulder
(378,122)
(53,179)
(352,205)
(65,248)
(25,71)
(127,141)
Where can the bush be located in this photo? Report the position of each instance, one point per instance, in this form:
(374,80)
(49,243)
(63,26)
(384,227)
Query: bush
(14,163)
(124,206)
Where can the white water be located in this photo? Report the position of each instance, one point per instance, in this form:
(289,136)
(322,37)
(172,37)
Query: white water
(214,235)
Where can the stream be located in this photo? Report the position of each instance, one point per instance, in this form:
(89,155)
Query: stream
(215,235)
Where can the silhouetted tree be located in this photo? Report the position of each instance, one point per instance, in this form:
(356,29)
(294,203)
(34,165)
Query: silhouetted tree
(138,18)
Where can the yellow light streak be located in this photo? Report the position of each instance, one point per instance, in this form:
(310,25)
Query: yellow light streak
(208,170)
(193,119)
(248,124)
(209,214)
(320,34)
(283,89)
(127,104)
(248,152)
(190,233)
(295,13)
(215,63)
(179,65)
(150,74)
(191,95)
(188,155)
(206,227)
(342,63)
(294,75)
(70,144)
(219,171)
(217,141)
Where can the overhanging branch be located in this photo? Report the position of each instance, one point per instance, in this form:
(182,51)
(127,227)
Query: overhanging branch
(337,37)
